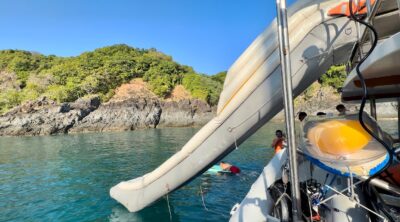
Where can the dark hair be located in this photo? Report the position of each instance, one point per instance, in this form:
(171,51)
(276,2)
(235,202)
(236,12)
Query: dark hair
(340,106)
(222,162)
(302,114)
(321,114)
(278,131)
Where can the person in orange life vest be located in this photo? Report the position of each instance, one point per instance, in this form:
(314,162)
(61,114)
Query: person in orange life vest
(229,167)
(277,143)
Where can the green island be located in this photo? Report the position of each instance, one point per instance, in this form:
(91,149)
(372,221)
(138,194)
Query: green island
(26,76)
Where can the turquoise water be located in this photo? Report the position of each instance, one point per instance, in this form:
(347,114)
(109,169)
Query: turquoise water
(68,177)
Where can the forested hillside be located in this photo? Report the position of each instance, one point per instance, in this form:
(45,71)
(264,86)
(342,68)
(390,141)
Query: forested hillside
(27,75)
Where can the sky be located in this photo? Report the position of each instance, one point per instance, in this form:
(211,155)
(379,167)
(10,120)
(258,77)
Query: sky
(208,35)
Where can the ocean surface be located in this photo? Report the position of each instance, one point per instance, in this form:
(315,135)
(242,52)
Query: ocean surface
(68,177)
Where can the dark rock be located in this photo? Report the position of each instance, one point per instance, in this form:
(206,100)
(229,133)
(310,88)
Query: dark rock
(86,105)
(185,113)
(64,108)
(124,115)
(44,117)
(134,113)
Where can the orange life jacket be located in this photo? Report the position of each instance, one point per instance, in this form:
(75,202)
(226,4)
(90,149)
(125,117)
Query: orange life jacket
(278,145)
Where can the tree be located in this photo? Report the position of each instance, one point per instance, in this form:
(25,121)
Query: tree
(65,79)
(334,77)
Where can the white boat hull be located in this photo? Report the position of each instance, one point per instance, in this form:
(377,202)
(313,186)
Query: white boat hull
(258,203)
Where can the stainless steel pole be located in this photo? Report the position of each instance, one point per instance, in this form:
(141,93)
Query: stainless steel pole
(284,50)
(398,119)
(358,29)
(372,106)
(369,8)
(398,6)
(369,14)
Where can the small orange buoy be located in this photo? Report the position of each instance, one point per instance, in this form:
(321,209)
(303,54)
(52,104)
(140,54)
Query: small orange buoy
(339,137)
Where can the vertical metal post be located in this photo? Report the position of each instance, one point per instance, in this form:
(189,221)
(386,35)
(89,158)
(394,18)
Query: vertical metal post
(284,50)
(398,6)
(372,106)
(369,8)
(398,118)
(358,29)
(370,19)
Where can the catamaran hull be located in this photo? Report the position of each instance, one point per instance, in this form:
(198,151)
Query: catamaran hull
(258,203)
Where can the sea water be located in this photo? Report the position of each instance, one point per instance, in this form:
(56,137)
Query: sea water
(68,177)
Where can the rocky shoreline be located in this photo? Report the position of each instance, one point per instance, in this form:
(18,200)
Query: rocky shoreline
(135,107)
(46,117)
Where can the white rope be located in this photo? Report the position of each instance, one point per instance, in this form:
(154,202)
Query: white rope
(351,183)
(359,204)
(202,199)
(334,195)
(280,198)
(234,137)
(169,209)
(284,194)
(204,204)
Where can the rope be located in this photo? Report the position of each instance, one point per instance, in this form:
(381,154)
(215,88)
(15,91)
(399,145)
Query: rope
(202,199)
(169,209)
(334,195)
(280,198)
(359,204)
(234,137)
(204,204)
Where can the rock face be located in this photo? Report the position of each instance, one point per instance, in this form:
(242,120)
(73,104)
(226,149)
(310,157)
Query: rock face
(185,113)
(121,116)
(132,107)
(45,117)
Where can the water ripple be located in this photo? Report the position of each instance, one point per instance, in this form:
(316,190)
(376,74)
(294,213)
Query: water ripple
(68,177)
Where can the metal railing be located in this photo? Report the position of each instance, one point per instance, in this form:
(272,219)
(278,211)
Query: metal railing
(284,51)
(372,10)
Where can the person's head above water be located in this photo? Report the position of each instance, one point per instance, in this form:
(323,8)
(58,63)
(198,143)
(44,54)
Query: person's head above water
(279,133)
(321,114)
(302,116)
(341,108)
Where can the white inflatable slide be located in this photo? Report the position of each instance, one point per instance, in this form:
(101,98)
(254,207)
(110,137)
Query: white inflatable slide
(252,95)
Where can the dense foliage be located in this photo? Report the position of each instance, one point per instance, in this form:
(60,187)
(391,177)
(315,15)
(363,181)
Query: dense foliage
(334,77)
(27,75)
(202,87)
(220,77)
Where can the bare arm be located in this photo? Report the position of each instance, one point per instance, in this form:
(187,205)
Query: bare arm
(274,142)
